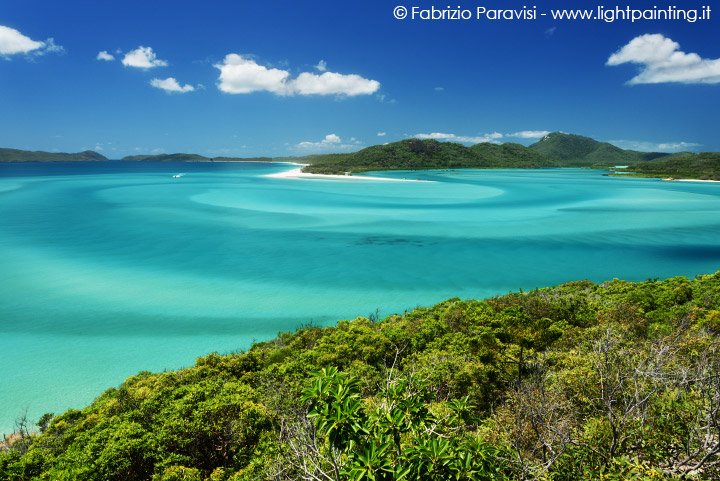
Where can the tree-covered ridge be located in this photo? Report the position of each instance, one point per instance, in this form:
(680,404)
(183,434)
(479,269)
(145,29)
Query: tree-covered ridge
(427,154)
(14,155)
(580,381)
(578,151)
(705,165)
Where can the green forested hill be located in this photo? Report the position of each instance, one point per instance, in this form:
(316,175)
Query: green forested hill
(582,381)
(575,150)
(427,154)
(14,155)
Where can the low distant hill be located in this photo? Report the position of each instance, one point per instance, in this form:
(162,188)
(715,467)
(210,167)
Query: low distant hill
(192,158)
(166,158)
(705,165)
(427,154)
(14,155)
(579,151)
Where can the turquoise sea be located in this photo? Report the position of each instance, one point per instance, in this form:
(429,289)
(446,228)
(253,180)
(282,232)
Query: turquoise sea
(107,269)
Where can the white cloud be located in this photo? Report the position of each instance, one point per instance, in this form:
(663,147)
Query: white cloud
(677,146)
(171,85)
(382,134)
(662,62)
(242,75)
(461,138)
(643,146)
(550,31)
(331,142)
(529,134)
(383,99)
(50,46)
(331,83)
(105,56)
(143,57)
(329,139)
(13,42)
(321,66)
(439,89)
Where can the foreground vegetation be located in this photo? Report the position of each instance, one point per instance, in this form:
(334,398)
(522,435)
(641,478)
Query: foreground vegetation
(579,381)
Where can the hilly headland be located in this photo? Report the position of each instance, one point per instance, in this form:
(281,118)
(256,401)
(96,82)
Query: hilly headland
(554,150)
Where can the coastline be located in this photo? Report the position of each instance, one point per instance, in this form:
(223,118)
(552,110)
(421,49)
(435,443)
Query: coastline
(297,173)
(670,179)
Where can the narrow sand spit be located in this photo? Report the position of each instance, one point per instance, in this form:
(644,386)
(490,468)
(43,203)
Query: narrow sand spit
(670,179)
(299,174)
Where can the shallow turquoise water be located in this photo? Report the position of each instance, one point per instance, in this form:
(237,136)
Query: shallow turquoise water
(108,269)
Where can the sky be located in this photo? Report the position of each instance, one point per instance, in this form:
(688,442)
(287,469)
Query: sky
(280,78)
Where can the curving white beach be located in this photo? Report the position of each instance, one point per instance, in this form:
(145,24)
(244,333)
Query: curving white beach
(299,174)
(670,179)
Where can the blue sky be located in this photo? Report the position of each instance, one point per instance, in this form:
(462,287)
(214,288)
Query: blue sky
(284,78)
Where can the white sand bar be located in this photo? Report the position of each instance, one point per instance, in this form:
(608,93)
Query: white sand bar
(670,179)
(299,174)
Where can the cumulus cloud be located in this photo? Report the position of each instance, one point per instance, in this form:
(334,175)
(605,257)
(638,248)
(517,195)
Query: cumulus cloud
(493,137)
(329,139)
(321,66)
(105,56)
(143,57)
(529,134)
(662,61)
(655,147)
(382,134)
(12,42)
(171,85)
(241,75)
(331,83)
(331,142)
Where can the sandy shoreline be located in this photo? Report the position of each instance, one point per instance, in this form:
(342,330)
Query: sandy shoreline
(670,179)
(299,174)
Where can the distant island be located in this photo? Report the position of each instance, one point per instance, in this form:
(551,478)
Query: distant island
(15,155)
(556,149)
(192,158)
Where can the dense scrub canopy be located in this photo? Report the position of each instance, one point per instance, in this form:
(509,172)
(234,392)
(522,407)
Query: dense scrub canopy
(428,154)
(705,165)
(579,381)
